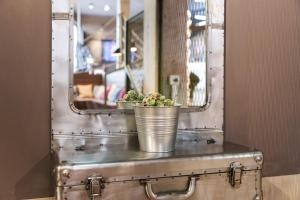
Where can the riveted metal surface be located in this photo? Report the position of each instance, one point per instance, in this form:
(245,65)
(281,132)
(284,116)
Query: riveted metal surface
(67,120)
(119,163)
(120,168)
(80,141)
(208,187)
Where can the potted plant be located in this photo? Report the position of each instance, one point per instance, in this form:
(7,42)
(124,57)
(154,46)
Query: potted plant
(157,120)
(130,99)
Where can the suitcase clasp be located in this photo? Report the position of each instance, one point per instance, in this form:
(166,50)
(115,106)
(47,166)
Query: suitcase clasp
(95,185)
(235,174)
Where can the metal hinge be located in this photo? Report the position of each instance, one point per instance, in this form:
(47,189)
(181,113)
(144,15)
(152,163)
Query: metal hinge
(95,185)
(235,174)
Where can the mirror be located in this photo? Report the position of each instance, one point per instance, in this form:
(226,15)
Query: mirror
(196,56)
(99,76)
(134,51)
(111,51)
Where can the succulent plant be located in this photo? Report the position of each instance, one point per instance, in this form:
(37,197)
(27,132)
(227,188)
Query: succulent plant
(132,95)
(156,99)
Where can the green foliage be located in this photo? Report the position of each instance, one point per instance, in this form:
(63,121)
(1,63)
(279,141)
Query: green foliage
(156,99)
(132,95)
(153,99)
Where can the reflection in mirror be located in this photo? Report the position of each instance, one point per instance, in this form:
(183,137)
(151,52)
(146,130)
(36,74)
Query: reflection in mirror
(99,76)
(134,51)
(184,51)
(196,56)
(109,54)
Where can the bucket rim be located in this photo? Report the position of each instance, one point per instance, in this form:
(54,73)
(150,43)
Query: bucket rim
(129,101)
(142,106)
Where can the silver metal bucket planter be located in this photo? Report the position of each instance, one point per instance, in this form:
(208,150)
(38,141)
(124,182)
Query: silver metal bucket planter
(126,104)
(157,127)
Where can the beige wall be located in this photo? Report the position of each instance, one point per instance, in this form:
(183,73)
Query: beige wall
(95,47)
(282,188)
(98,28)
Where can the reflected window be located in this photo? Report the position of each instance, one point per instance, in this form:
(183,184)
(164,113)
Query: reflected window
(99,75)
(197,37)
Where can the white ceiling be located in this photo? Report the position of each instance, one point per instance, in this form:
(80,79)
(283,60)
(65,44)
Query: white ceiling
(136,6)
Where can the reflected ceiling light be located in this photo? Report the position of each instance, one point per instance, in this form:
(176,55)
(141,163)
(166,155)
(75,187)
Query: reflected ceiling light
(106,8)
(133,47)
(91,6)
(90,60)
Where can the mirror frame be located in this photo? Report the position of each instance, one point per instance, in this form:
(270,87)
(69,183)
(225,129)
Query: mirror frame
(115,110)
(66,119)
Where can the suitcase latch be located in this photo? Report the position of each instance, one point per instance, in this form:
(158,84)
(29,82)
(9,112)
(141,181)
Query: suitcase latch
(235,174)
(95,185)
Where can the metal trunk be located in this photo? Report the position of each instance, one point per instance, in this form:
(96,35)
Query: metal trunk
(194,171)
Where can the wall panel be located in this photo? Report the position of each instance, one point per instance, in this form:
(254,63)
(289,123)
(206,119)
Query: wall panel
(263,80)
(25,61)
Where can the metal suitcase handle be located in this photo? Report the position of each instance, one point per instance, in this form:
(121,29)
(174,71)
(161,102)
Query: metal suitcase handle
(178,195)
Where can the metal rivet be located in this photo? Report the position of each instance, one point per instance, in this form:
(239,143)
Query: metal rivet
(258,158)
(66,173)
